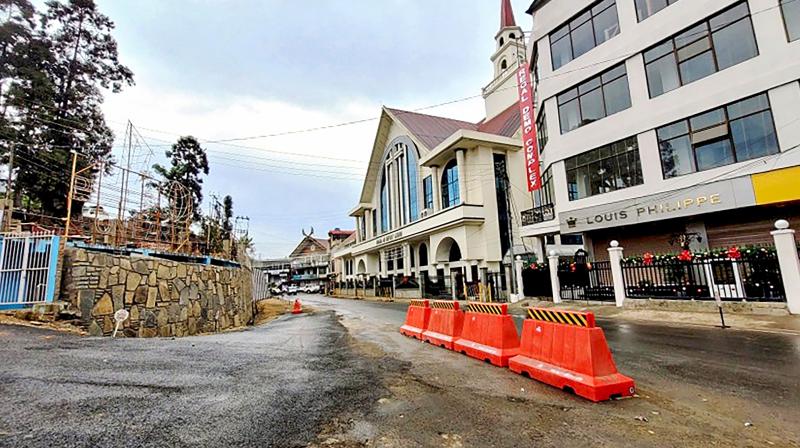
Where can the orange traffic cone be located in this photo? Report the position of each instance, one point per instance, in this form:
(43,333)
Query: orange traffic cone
(297,309)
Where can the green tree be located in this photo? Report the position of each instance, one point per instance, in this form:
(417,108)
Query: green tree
(188,163)
(227,216)
(54,98)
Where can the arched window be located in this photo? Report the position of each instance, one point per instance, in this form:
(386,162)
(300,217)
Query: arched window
(502,41)
(512,36)
(504,64)
(423,255)
(413,179)
(450,193)
(384,203)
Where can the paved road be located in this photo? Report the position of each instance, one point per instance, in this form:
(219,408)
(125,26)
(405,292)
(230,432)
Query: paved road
(275,385)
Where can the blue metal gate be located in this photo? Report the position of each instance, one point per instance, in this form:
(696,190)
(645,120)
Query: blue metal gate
(28,265)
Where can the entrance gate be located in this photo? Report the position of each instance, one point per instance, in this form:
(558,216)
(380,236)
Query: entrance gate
(28,264)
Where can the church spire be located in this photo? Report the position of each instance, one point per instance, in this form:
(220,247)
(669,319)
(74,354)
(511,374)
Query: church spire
(506,15)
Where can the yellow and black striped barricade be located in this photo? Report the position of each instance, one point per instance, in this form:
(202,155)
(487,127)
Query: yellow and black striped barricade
(419,313)
(446,322)
(566,350)
(489,333)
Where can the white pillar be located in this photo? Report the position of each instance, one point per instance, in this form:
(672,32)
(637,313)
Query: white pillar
(556,284)
(520,284)
(407,259)
(786,247)
(437,188)
(615,257)
(462,175)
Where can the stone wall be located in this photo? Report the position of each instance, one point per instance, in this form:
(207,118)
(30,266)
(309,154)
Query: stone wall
(164,298)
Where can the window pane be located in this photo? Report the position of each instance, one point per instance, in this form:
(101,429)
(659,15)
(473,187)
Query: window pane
(617,95)
(673,130)
(697,68)
(713,155)
(662,76)
(748,106)
(570,116)
(708,119)
(658,51)
(606,25)
(589,85)
(561,52)
(729,16)
(754,136)
(592,107)
(694,49)
(791,15)
(676,157)
(735,44)
(582,39)
(567,96)
(698,32)
(646,8)
(614,73)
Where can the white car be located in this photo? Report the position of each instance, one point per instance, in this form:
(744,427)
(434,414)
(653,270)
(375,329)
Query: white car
(292,290)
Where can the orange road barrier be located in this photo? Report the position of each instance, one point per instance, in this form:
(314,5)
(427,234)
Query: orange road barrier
(419,312)
(564,349)
(447,320)
(297,308)
(489,334)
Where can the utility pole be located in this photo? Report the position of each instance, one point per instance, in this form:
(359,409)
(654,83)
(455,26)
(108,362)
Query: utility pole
(71,193)
(507,185)
(10,189)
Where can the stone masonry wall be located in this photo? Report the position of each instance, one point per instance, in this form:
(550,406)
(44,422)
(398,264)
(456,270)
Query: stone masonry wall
(164,298)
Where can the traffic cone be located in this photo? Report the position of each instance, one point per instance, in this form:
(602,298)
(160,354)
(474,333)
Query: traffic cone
(297,309)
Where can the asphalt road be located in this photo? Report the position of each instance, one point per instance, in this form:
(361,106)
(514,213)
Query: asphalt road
(275,385)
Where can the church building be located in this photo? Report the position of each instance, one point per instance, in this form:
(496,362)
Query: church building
(437,206)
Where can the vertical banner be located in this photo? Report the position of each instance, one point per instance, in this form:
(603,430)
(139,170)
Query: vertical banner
(528,120)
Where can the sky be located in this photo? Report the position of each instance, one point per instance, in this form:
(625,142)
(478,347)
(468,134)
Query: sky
(236,69)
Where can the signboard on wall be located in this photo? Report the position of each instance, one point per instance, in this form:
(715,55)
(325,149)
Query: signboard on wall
(528,121)
(708,198)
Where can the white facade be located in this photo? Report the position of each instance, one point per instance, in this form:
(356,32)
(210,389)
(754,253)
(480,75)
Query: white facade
(775,71)
(434,200)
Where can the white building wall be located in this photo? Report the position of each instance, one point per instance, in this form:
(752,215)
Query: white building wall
(776,69)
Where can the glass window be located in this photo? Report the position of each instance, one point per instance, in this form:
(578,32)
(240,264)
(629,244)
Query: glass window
(384,203)
(413,177)
(450,191)
(597,98)
(646,8)
(791,17)
(427,190)
(740,131)
(605,169)
(722,41)
(571,239)
(541,130)
(583,32)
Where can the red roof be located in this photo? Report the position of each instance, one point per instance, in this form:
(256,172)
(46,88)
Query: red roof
(506,14)
(339,232)
(507,123)
(429,129)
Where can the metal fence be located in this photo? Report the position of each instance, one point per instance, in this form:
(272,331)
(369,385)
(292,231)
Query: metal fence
(758,279)
(28,266)
(536,282)
(260,281)
(586,281)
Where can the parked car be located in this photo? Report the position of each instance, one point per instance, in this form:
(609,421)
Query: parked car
(292,290)
(311,289)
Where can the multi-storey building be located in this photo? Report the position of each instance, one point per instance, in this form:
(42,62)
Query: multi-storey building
(664,118)
(436,198)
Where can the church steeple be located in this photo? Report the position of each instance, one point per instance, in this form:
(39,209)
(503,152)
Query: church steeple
(506,15)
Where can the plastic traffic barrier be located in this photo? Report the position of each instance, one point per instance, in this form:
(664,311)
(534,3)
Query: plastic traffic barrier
(297,308)
(447,320)
(419,313)
(488,334)
(566,350)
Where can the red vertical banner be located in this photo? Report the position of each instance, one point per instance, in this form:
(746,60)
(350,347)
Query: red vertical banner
(528,121)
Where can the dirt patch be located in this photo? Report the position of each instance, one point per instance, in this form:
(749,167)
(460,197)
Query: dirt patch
(23,320)
(270,309)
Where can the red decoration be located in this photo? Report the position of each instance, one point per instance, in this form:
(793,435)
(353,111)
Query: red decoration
(686,256)
(734,253)
(573,267)
(648,258)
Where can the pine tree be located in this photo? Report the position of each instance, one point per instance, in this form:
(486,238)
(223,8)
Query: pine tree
(188,163)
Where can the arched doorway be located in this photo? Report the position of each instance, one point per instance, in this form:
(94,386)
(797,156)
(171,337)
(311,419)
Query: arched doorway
(423,255)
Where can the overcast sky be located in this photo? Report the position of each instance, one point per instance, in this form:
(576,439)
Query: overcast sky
(226,69)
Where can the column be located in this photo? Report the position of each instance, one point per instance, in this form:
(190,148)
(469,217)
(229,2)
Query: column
(437,185)
(520,284)
(554,282)
(615,257)
(407,260)
(462,175)
(786,247)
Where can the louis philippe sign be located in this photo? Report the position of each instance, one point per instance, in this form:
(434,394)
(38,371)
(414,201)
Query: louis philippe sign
(528,120)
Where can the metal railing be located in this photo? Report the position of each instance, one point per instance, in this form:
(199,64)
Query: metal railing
(538,215)
(586,281)
(28,264)
(757,279)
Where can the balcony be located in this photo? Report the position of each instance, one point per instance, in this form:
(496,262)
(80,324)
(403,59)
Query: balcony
(538,215)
